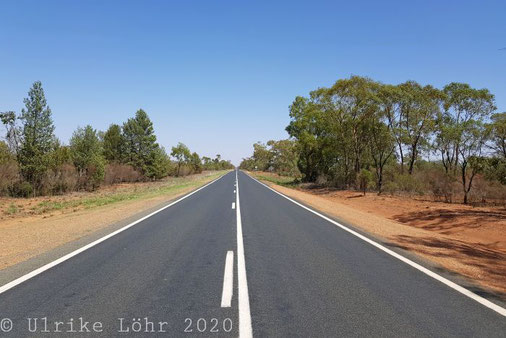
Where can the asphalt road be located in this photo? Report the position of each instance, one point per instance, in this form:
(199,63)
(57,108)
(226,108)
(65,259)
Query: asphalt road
(290,273)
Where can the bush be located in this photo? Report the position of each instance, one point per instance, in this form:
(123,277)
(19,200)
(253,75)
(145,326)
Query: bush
(119,173)
(60,180)
(21,189)
(364,179)
(444,187)
(405,183)
(9,173)
(485,191)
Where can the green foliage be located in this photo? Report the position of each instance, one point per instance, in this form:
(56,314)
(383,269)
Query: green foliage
(38,139)
(141,149)
(33,161)
(182,155)
(364,179)
(277,156)
(196,162)
(497,131)
(114,144)
(86,153)
(158,165)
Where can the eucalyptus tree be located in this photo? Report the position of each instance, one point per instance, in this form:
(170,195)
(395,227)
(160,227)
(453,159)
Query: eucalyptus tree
(307,127)
(182,155)
(12,130)
(355,101)
(497,129)
(390,97)
(463,106)
(418,111)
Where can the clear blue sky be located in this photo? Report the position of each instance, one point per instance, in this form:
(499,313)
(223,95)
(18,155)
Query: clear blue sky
(219,75)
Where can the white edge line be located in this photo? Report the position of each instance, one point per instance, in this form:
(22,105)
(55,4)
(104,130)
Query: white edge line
(417,266)
(245,329)
(62,259)
(228,280)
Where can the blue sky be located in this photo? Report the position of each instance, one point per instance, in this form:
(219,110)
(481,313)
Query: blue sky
(220,75)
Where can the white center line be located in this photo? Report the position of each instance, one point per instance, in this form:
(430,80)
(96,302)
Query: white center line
(245,329)
(233,205)
(228,280)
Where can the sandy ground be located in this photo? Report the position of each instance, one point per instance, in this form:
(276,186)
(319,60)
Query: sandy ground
(468,240)
(28,234)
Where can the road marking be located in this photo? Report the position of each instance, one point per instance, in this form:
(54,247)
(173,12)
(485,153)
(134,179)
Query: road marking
(245,329)
(62,259)
(228,280)
(234,191)
(233,205)
(417,266)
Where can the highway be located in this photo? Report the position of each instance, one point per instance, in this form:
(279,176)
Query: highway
(238,259)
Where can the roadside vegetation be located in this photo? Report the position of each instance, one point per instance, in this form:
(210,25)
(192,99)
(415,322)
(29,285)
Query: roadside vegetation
(105,195)
(364,135)
(33,162)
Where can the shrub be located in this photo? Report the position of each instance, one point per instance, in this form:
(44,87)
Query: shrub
(21,189)
(60,180)
(9,173)
(364,180)
(443,186)
(118,173)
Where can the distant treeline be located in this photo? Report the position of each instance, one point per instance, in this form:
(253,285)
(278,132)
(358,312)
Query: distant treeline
(363,134)
(34,162)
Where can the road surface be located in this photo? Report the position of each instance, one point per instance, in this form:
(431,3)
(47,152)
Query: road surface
(234,261)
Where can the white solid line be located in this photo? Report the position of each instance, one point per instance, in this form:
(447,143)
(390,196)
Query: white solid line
(417,266)
(245,329)
(62,259)
(233,205)
(228,280)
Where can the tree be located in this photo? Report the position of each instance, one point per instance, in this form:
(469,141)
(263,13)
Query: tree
(419,107)
(307,127)
(354,102)
(382,147)
(13,133)
(140,144)
(182,155)
(196,162)
(86,152)
(284,157)
(497,131)
(159,164)
(114,145)
(37,139)
(463,107)
(470,153)
(390,104)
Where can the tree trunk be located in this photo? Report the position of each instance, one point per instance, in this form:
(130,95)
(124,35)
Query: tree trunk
(402,157)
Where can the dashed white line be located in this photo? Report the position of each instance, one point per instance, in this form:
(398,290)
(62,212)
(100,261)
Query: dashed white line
(228,280)
(245,329)
(417,266)
(233,205)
